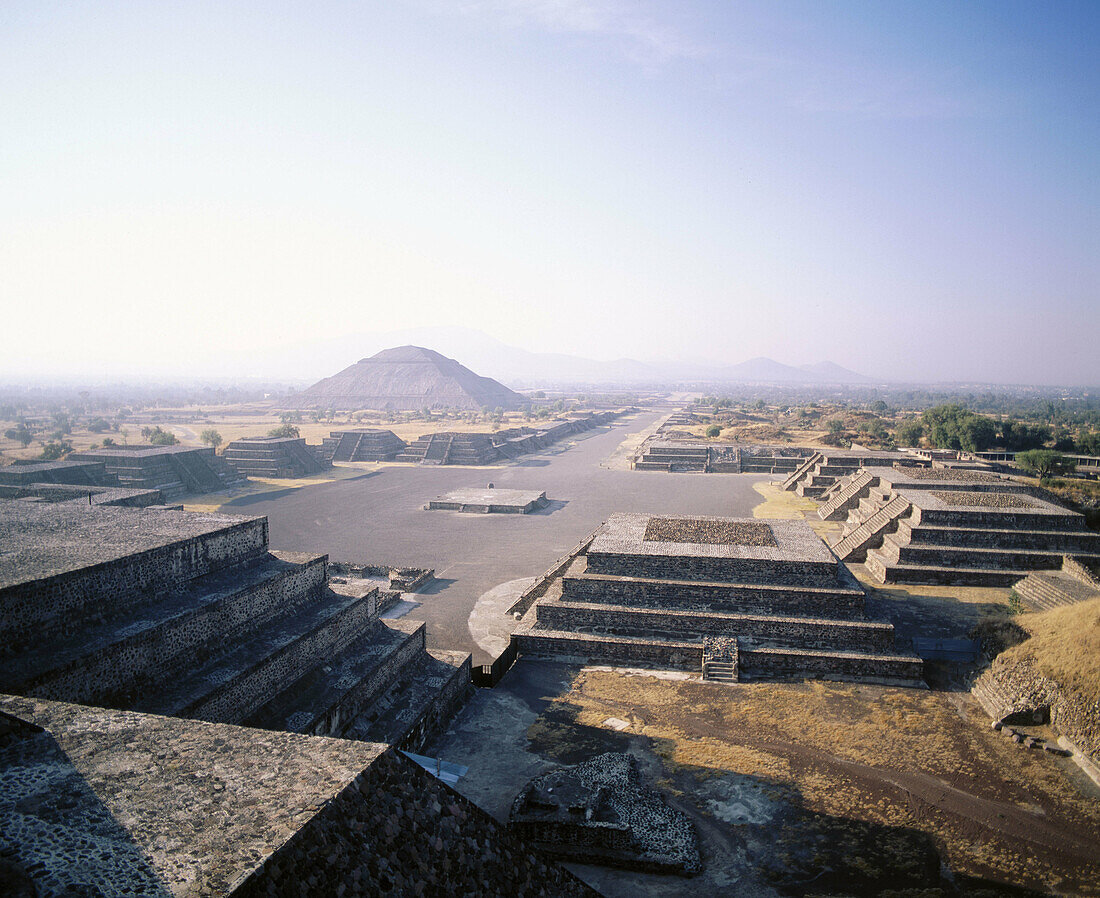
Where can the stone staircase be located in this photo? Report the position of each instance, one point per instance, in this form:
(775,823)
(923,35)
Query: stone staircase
(801,471)
(226,631)
(1044,590)
(866,534)
(844,494)
(439,447)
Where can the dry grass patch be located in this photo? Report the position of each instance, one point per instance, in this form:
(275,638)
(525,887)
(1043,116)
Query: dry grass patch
(870,755)
(1065,644)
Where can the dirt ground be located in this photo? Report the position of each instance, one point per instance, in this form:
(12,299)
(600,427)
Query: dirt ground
(803,788)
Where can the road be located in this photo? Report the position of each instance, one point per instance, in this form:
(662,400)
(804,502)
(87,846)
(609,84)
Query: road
(380,518)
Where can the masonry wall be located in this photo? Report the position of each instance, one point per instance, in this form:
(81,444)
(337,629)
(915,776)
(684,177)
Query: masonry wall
(398,831)
(745,570)
(718,597)
(819,634)
(156,654)
(63,603)
(791,662)
(675,655)
(236,699)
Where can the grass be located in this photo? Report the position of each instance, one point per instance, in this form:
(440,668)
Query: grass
(1065,644)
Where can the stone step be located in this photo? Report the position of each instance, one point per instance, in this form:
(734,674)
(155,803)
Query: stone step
(845,599)
(418,706)
(801,471)
(1044,590)
(628,651)
(773,662)
(886,572)
(154,643)
(64,604)
(233,685)
(1011,538)
(855,545)
(326,699)
(630,621)
(844,494)
(946,556)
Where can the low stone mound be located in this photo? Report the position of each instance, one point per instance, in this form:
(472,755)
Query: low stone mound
(1053,675)
(599,811)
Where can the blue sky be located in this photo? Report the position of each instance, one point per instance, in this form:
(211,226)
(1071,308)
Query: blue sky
(908,189)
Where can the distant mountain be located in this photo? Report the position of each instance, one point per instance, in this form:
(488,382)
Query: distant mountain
(834,373)
(407,378)
(523,369)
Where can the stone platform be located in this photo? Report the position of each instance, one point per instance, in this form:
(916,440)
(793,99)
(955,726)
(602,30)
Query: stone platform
(173,470)
(192,615)
(490,501)
(275,457)
(109,802)
(732,598)
(948,526)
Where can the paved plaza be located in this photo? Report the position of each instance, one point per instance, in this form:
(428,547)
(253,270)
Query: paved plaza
(380,518)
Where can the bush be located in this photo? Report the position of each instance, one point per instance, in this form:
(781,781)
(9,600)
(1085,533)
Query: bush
(714,430)
(284,430)
(157,436)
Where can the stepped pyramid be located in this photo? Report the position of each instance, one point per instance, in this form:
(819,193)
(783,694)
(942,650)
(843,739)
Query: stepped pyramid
(407,378)
(192,615)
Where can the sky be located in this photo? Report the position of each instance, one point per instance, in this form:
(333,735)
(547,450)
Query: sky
(911,190)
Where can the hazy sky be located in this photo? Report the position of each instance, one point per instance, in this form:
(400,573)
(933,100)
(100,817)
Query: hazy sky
(908,189)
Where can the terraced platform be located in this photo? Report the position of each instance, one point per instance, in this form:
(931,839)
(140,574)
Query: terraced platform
(191,615)
(726,597)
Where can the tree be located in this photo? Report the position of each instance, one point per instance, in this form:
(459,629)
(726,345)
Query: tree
(157,436)
(54,450)
(910,432)
(1044,462)
(976,433)
(20,434)
(835,425)
(714,430)
(99,425)
(211,437)
(283,431)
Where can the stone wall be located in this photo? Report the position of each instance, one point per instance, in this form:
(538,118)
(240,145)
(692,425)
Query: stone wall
(868,635)
(783,662)
(728,569)
(398,831)
(158,653)
(717,596)
(610,649)
(64,602)
(244,693)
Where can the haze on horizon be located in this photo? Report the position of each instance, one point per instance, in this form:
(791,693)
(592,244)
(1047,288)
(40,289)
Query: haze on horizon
(907,190)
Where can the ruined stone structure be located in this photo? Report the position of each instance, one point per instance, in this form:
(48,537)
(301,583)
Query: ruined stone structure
(679,456)
(173,470)
(108,802)
(450,448)
(366,444)
(85,473)
(820,471)
(1075,581)
(275,457)
(490,501)
(83,495)
(600,812)
(731,598)
(945,526)
(407,378)
(191,615)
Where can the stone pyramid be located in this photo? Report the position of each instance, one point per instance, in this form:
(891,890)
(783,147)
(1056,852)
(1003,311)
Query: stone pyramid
(408,378)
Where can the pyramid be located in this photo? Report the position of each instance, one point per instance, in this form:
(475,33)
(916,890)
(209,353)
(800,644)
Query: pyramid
(407,378)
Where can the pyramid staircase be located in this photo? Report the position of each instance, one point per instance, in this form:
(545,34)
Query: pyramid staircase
(261,640)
